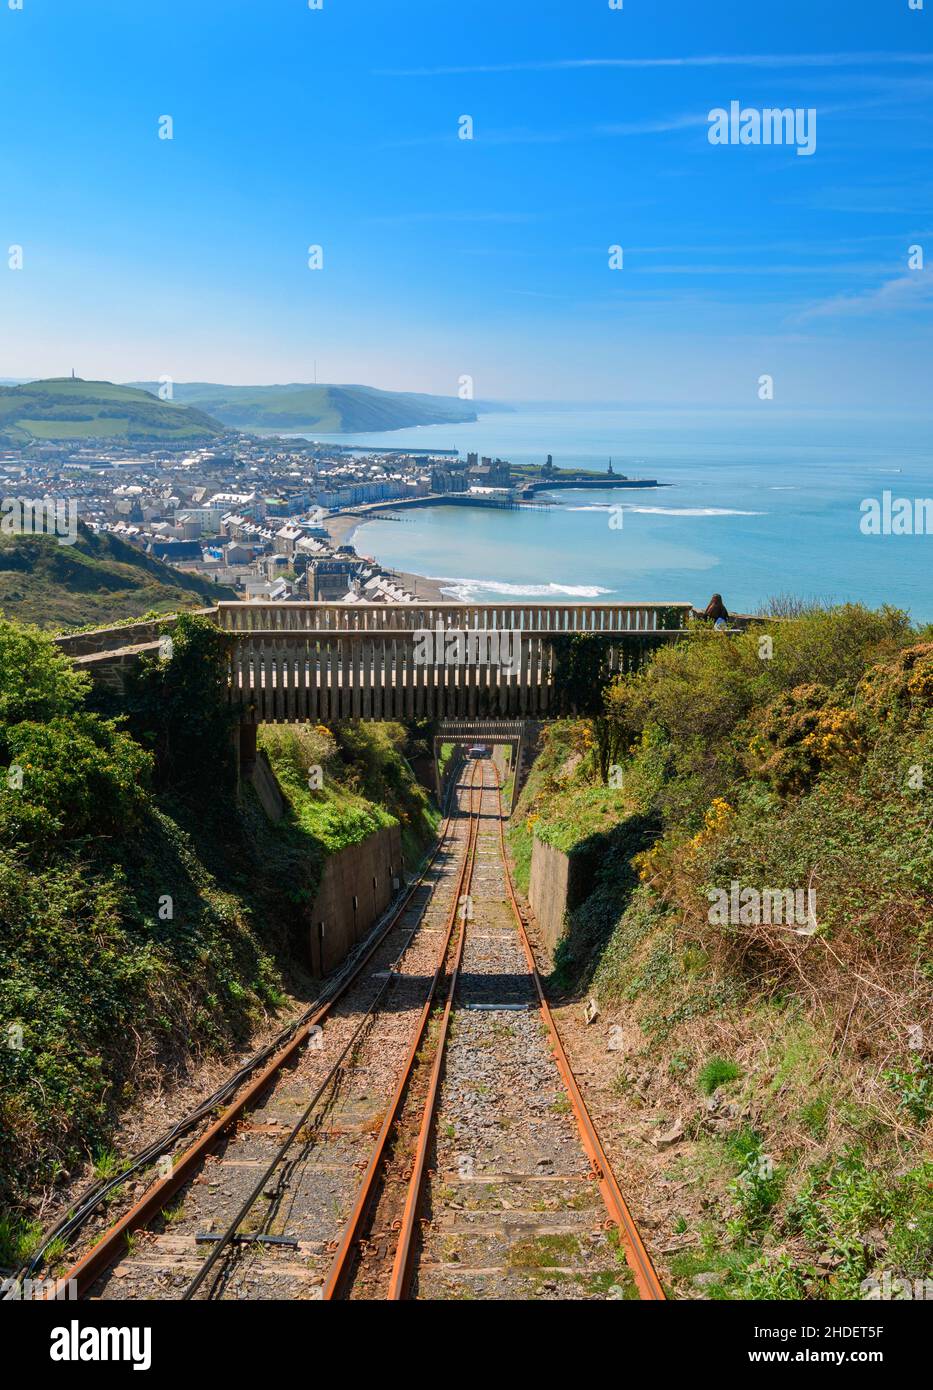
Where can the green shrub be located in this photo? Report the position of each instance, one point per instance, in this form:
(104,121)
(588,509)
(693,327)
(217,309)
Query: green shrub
(757,1189)
(80,776)
(717,1072)
(815,1115)
(36,681)
(364,782)
(846,1207)
(178,709)
(146,915)
(913,1086)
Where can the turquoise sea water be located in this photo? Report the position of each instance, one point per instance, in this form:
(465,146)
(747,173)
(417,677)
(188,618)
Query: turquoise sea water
(759,503)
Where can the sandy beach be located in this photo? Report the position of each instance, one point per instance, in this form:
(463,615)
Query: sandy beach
(342,529)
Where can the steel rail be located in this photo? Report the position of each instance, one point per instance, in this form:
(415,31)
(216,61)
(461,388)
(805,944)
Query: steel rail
(639,1261)
(340,1269)
(648,1284)
(111,1244)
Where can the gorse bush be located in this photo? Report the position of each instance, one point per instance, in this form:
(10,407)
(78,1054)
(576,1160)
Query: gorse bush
(696,701)
(792,760)
(899,690)
(800,734)
(820,777)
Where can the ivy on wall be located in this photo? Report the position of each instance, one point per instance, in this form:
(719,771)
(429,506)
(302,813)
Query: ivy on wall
(178,708)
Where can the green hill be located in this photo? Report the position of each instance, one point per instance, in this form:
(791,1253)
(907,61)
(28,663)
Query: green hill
(328,409)
(99,580)
(68,408)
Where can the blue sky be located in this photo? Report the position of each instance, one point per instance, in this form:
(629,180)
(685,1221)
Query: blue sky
(486,258)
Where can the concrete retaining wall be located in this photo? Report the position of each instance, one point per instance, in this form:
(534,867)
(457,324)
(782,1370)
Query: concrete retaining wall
(560,882)
(451,774)
(502,755)
(266,786)
(548,890)
(355,890)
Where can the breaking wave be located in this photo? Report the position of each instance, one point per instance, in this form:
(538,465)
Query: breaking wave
(471,590)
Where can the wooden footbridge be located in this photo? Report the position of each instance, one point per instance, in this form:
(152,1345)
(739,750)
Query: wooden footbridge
(294,662)
(323,662)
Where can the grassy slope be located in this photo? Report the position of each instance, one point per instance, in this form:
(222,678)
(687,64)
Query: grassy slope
(364,784)
(329,409)
(808,1112)
(61,408)
(100,579)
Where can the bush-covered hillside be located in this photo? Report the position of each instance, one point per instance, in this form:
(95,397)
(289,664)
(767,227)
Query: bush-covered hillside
(98,580)
(797,1051)
(147,913)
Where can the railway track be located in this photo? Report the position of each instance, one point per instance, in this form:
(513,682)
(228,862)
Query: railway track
(422,1135)
(495,1183)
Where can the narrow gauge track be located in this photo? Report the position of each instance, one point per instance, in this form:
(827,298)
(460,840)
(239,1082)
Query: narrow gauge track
(506,1208)
(486,1171)
(346,1004)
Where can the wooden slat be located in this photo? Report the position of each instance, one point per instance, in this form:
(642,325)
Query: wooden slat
(356,664)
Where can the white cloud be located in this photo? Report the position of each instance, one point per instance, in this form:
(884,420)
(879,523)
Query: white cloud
(746,60)
(903,294)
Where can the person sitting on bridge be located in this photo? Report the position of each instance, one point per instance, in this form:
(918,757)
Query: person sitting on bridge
(716,612)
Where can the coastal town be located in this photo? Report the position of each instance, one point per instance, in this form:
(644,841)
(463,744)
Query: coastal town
(270,519)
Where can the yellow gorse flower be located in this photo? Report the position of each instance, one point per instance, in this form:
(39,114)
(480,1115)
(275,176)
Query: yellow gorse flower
(715,822)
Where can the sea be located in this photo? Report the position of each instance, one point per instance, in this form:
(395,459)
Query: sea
(755,504)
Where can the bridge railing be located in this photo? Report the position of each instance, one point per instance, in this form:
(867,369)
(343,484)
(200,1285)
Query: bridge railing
(378,617)
(279,677)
